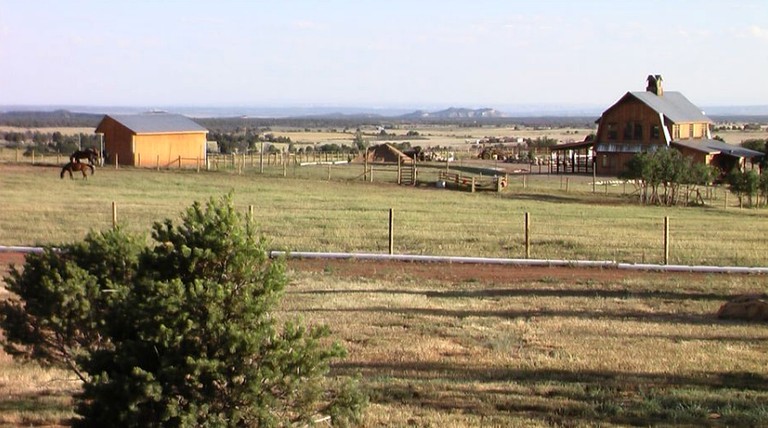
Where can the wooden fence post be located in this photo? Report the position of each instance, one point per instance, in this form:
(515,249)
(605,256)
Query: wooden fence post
(250,213)
(473,184)
(114,215)
(666,240)
(261,159)
(527,235)
(116,162)
(391,231)
(157,163)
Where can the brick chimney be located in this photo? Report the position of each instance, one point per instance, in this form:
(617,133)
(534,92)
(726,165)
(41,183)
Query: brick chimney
(654,84)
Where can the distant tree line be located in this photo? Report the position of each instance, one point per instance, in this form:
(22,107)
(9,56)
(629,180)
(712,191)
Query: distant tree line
(48,142)
(43,119)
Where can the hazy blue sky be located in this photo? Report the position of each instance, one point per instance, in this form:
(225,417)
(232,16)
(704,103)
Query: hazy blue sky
(409,53)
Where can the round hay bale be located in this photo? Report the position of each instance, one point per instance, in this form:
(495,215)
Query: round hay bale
(746,307)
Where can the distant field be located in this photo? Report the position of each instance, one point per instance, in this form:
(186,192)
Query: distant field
(62,130)
(438,135)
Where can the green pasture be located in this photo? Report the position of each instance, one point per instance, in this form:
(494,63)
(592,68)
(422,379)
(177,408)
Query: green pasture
(300,209)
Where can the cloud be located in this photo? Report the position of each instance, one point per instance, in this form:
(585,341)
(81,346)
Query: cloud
(759,33)
(307,25)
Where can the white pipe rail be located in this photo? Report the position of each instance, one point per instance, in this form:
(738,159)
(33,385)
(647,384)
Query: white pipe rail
(520,262)
(483,260)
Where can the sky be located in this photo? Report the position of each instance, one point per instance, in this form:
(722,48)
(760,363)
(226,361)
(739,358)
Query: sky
(378,54)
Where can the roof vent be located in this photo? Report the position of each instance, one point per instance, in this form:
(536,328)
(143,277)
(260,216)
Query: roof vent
(654,84)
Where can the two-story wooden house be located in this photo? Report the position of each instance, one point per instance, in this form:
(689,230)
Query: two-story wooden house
(648,120)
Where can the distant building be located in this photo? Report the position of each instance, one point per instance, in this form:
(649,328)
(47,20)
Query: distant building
(153,139)
(648,120)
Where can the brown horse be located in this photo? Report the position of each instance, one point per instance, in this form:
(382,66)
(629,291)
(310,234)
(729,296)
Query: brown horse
(77,166)
(91,154)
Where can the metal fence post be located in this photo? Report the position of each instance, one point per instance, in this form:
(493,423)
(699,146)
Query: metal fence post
(391,231)
(666,240)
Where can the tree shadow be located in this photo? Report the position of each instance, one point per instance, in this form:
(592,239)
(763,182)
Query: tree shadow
(534,292)
(621,315)
(563,396)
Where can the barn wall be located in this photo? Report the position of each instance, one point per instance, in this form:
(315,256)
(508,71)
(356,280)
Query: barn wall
(612,163)
(695,155)
(629,110)
(165,149)
(118,140)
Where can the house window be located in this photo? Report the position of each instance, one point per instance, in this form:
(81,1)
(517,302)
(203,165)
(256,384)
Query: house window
(690,131)
(638,134)
(628,131)
(676,132)
(606,163)
(655,132)
(613,134)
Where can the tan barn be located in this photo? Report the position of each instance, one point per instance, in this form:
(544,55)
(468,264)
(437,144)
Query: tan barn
(153,139)
(648,120)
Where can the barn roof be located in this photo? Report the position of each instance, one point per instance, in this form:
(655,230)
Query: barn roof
(716,146)
(153,123)
(673,105)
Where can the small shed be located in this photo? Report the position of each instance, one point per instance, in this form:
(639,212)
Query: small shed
(153,140)
(386,153)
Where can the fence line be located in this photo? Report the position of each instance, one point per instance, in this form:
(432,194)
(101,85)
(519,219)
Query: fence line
(652,240)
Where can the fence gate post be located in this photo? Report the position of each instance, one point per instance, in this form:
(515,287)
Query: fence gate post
(527,235)
(391,231)
(666,240)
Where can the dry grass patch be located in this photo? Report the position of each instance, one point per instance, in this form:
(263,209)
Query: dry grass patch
(646,349)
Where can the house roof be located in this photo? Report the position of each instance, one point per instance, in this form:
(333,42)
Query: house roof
(673,105)
(716,147)
(573,146)
(156,123)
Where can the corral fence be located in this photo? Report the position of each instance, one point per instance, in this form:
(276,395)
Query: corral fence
(638,240)
(329,166)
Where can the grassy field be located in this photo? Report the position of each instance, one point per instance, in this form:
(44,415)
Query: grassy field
(303,211)
(451,345)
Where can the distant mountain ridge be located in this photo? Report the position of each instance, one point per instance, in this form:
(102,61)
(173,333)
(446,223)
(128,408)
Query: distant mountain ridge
(454,113)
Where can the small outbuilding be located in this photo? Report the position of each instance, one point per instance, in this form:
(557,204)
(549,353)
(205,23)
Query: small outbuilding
(153,140)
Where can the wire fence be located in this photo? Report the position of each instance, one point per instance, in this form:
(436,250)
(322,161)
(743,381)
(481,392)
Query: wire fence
(641,239)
